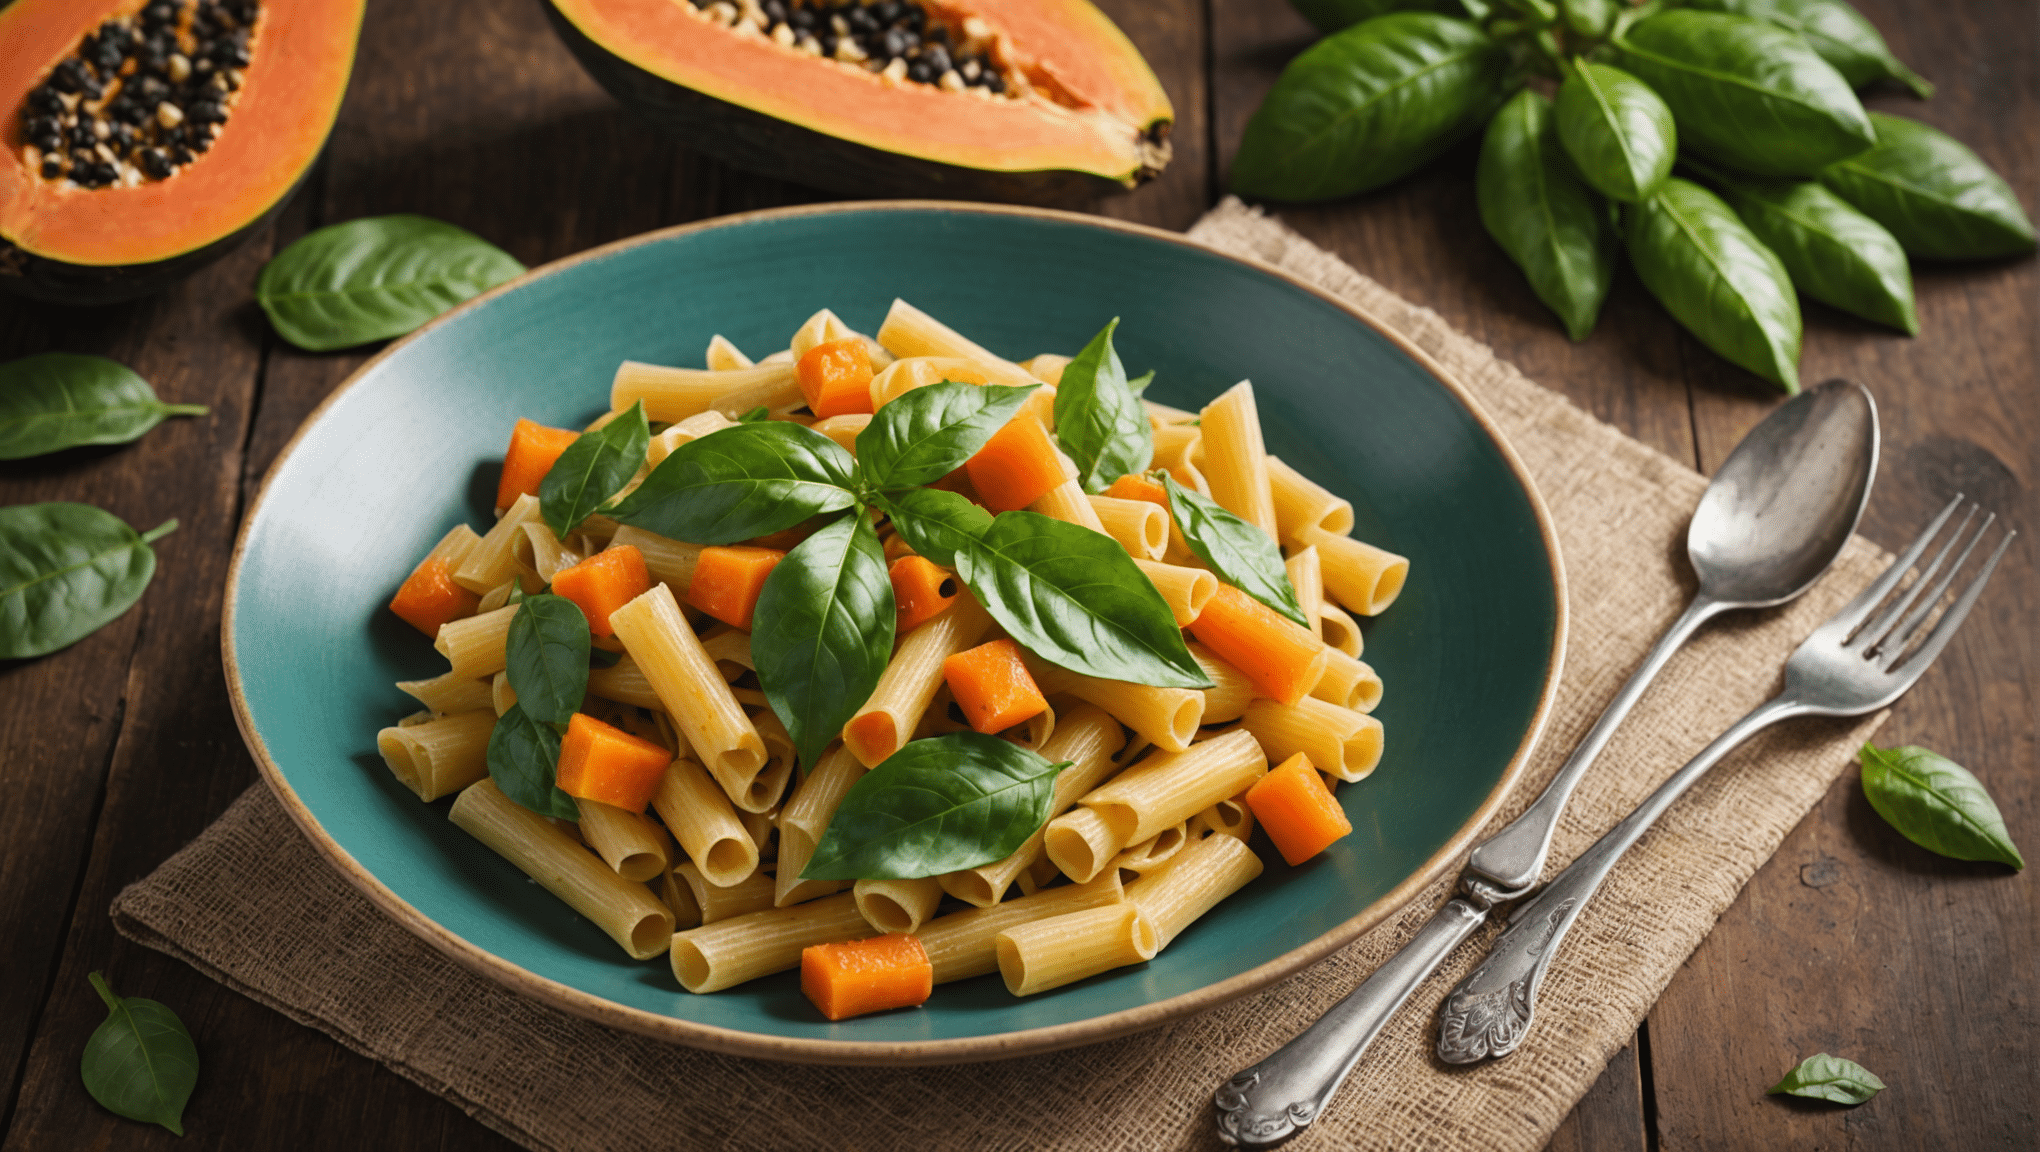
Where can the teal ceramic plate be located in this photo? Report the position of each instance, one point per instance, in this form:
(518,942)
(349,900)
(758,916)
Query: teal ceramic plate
(412,443)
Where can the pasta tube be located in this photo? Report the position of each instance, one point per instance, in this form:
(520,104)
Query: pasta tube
(679,900)
(1307,577)
(447,693)
(964,944)
(493,559)
(694,694)
(438,757)
(908,331)
(1349,683)
(897,905)
(477,646)
(1360,576)
(716,902)
(1156,850)
(684,432)
(1345,743)
(625,683)
(1235,461)
(674,394)
(636,848)
(729,952)
(1163,789)
(627,911)
(1301,502)
(1192,883)
(1167,716)
(1066,501)
(1231,690)
(1044,954)
(502,697)
(669,561)
(844,429)
(804,819)
(700,817)
(1226,818)
(910,372)
(1140,527)
(1340,631)
(909,683)
(724,356)
(1185,589)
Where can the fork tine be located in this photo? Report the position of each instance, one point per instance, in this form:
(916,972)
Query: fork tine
(1888,649)
(1854,612)
(1944,631)
(1872,632)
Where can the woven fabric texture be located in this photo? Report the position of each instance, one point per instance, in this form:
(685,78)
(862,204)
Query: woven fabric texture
(306,943)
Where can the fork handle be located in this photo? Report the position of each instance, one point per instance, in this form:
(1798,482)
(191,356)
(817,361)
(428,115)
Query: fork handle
(1274,1100)
(1489,1012)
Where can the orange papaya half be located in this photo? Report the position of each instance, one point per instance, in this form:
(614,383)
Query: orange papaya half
(1034,101)
(252,89)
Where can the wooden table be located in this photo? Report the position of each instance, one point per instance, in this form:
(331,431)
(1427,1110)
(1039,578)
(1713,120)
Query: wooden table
(120,749)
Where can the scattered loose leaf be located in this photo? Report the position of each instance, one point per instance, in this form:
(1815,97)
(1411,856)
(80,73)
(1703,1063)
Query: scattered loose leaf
(140,1062)
(1824,1077)
(59,400)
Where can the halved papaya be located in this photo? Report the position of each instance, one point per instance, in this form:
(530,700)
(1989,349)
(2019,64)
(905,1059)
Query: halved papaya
(1038,101)
(144,139)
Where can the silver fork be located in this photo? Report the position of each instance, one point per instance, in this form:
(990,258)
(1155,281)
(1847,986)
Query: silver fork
(1845,668)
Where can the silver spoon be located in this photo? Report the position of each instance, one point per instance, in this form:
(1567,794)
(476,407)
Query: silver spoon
(1773,519)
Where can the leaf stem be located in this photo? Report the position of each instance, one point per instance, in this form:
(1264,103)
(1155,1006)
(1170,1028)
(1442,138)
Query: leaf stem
(160,531)
(100,986)
(185,409)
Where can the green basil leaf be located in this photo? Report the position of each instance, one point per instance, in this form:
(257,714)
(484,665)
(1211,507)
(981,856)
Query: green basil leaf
(524,759)
(755,415)
(1713,275)
(934,523)
(929,432)
(1835,30)
(1937,803)
(1370,105)
(66,571)
(824,632)
(741,482)
(140,1062)
(1536,206)
(548,653)
(1617,130)
(1834,253)
(1330,16)
(1747,93)
(1824,1077)
(1238,552)
(1589,18)
(1075,598)
(937,805)
(59,400)
(1099,420)
(374,278)
(1936,196)
(594,467)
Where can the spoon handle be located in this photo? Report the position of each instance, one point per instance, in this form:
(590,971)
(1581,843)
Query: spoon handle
(1511,860)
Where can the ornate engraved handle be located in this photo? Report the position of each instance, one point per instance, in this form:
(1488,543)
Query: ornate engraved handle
(1279,1097)
(1490,1011)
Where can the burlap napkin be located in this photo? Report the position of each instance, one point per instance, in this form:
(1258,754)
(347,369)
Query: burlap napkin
(311,947)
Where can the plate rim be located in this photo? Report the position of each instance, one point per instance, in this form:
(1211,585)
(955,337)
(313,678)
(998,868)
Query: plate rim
(992,1046)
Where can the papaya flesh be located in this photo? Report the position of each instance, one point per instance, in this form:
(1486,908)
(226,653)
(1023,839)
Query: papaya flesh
(1033,101)
(87,224)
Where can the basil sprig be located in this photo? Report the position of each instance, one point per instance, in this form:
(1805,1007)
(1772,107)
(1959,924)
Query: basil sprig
(66,571)
(1939,199)
(929,432)
(1938,804)
(1099,420)
(741,482)
(548,670)
(1240,553)
(1824,1077)
(937,805)
(140,1062)
(1076,599)
(824,632)
(594,467)
(59,400)
(1538,207)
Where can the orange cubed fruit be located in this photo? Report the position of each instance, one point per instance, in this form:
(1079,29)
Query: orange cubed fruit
(603,583)
(836,378)
(922,590)
(605,763)
(430,598)
(533,450)
(1017,466)
(728,579)
(854,977)
(1300,814)
(993,687)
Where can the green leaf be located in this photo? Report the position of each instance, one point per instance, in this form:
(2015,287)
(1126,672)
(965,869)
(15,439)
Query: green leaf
(1589,18)
(66,571)
(374,278)
(1837,32)
(1834,253)
(1075,598)
(1824,1077)
(59,400)
(594,467)
(1718,279)
(933,522)
(741,482)
(1937,803)
(1536,206)
(1937,197)
(937,805)
(928,433)
(548,653)
(1239,553)
(1330,16)
(1370,105)
(755,415)
(824,631)
(1747,93)
(1099,420)
(1617,130)
(140,1062)
(524,758)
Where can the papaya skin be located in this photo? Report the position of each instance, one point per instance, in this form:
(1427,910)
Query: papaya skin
(68,245)
(752,104)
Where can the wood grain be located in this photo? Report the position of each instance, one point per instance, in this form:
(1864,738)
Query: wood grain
(118,750)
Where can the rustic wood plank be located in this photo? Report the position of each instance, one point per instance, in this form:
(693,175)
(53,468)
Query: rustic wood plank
(65,710)
(1852,940)
(1610,1115)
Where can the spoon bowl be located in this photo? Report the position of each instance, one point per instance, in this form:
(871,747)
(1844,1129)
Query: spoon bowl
(1785,501)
